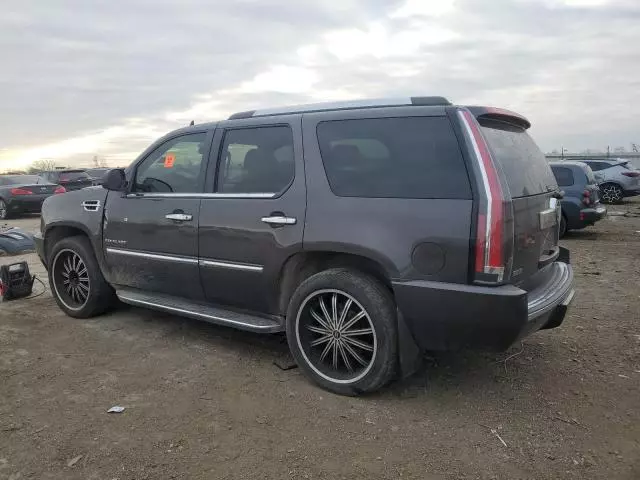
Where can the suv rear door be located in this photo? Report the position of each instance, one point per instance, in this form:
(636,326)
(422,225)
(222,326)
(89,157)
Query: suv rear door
(533,189)
(253,216)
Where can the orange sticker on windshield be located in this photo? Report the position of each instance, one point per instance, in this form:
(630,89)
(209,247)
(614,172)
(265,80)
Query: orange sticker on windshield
(169,160)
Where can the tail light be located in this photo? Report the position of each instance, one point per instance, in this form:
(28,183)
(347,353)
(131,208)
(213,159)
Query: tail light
(631,174)
(586,197)
(60,189)
(493,257)
(21,191)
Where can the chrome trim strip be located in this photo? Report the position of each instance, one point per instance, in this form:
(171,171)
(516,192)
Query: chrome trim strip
(154,256)
(231,265)
(212,318)
(201,195)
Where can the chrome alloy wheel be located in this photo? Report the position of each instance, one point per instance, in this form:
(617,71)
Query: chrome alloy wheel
(611,193)
(71,279)
(336,336)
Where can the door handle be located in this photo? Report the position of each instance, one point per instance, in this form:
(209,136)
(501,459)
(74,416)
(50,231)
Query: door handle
(279,220)
(179,217)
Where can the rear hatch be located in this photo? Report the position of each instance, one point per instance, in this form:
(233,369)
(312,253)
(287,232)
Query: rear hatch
(75,179)
(534,193)
(29,185)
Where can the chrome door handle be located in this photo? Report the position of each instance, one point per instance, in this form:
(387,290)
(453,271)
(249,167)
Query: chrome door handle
(179,217)
(279,220)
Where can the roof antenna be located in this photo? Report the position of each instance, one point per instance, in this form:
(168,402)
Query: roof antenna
(192,123)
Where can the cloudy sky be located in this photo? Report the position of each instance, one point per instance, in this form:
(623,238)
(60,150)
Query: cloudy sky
(80,78)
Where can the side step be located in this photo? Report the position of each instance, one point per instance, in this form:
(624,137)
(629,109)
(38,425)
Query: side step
(200,311)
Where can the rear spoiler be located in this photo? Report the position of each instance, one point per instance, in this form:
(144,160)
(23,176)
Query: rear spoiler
(500,114)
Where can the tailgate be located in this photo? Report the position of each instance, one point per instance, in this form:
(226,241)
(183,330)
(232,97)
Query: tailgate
(532,188)
(536,232)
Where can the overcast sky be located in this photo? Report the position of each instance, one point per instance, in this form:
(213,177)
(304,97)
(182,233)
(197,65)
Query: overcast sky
(80,78)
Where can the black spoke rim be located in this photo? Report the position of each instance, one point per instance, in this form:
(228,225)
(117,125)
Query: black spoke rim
(336,336)
(71,279)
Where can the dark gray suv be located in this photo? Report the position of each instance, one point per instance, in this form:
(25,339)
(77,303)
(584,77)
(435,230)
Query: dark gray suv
(368,231)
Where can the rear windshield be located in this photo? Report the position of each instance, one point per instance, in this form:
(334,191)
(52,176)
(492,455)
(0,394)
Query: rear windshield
(73,176)
(412,157)
(19,179)
(524,165)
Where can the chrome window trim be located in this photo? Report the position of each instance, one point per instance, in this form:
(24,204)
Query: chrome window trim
(202,195)
(154,256)
(231,265)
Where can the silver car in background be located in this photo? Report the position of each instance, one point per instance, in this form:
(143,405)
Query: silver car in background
(617,178)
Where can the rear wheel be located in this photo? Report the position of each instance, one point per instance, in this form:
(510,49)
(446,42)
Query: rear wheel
(563,226)
(611,193)
(75,279)
(342,331)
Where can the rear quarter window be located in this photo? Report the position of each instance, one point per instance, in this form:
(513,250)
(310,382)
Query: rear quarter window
(410,157)
(564,176)
(523,163)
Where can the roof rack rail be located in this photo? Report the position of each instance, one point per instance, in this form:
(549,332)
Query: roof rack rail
(348,105)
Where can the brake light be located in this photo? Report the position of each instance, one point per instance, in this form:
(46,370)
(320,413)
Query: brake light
(21,191)
(586,197)
(631,174)
(60,189)
(491,260)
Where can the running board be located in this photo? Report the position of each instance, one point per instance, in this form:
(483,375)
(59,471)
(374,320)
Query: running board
(200,311)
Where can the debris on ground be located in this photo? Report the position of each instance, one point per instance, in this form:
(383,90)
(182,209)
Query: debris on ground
(116,409)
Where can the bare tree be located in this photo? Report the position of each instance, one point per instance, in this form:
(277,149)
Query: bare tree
(635,147)
(99,162)
(42,165)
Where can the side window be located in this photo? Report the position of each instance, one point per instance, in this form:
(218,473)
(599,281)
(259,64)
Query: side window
(597,166)
(173,167)
(256,160)
(563,175)
(413,157)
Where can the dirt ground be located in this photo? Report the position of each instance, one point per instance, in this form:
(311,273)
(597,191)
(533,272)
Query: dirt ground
(206,402)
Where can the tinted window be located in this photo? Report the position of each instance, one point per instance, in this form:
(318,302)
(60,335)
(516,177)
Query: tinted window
(173,167)
(412,157)
(73,176)
(597,166)
(522,162)
(256,160)
(19,179)
(563,175)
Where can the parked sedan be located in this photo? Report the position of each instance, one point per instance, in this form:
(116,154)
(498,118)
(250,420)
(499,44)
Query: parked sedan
(24,194)
(69,179)
(581,203)
(617,178)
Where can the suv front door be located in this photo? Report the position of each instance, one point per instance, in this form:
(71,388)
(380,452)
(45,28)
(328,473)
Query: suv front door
(253,217)
(151,232)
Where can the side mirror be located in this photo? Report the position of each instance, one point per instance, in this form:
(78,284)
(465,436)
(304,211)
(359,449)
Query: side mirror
(115,180)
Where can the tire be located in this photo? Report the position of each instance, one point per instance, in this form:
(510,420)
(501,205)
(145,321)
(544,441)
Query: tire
(4,210)
(88,294)
(357,295)
(611,193)
(563,226)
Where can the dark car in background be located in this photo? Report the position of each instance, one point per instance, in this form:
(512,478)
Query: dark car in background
(97,174)
(69,179)
(24,194)
(617,178)
(581,202)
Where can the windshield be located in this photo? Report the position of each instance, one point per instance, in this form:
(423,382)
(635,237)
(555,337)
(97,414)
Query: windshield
(522,162)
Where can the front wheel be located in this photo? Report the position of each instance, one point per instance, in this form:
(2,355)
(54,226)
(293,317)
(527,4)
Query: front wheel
(611,193)
(342,331)
(75,279)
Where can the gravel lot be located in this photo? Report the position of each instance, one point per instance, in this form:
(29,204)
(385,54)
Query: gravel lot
(206,402)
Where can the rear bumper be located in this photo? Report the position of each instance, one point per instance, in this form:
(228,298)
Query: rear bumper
(26,203)
(632,192)
(589,216)
(444,316)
